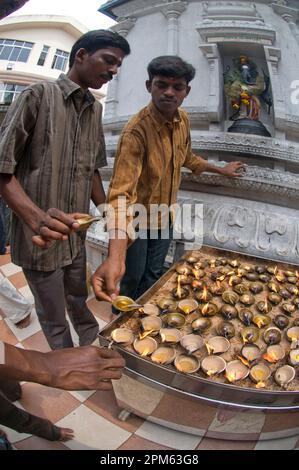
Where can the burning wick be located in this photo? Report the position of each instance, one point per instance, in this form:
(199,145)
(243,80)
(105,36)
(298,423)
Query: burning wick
(260,385)
(231,377)
(179,290)
(145,334)
(244,361)
(270,357)
(210,349)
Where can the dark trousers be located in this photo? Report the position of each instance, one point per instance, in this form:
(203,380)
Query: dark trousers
(144,264)
(60,290)
(20,420)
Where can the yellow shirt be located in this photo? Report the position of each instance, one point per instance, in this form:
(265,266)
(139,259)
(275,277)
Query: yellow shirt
(147,169)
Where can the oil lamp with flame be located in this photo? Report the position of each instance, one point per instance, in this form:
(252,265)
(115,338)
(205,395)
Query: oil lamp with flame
(217,345)
(294,357)
(236,370)
(180,292)
(247,299)
(170,335)
(284,375)
(261,320)
(187,306)
(182,268)
(191,259)
(251,352)
(274,353)
(122,335)
(293,290)
(288,308)
(249,334)
(186,364)
(145,346)
(125,304)
(163,355)
(272,270)
(150,309)
(209,309)
(204,295)
(259,374)
(151,323)
(293,336)
(213,365)
(217,288)
(273,287)
(198,273)
(263,306)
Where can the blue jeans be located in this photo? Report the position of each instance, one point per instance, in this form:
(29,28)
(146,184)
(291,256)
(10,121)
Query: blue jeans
(144,264)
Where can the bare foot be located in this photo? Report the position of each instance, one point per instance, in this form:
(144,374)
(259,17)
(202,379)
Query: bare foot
(23,323)
(66,434)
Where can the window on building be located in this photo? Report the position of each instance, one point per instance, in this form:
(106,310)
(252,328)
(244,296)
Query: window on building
(43,55)
(60,60)
(15,51)
(9,92)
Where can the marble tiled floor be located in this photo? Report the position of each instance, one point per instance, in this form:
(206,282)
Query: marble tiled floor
(93,414)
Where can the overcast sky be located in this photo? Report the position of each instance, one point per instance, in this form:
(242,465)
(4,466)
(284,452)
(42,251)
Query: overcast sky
(84,11)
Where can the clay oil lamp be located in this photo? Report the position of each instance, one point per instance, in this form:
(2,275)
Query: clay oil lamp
(197,285)
(251,276)
(167,304)
(220,262)
(260,269)
(284,375)
(274,298)
(150,309)
(201,324)
(281,321)
(229,312)
(296,302)
(234,281)
(191,259)
(226,329)
(199,265)
(247,299)
(230,297)
(263,306)
(151,323)
(247,267)
(198,273)
(217,345)
(272,270)
(191,342)
(182,268)
(288,308)
(122,335)
(285,294)
(292,279)
(272,335)
(293,289)
(274,353)
(187,306)
(204,296)
(241,289)
(289,273)
(212,263)
(174,319)
(185,279)
(273,287)
(264,278)
(170,335)
(236,370)
(256,287)
(251,352)
(293,336)
(191,317)
(186,364)
(224,270)
(234,263)
(145,346)
(163,355)
(180,292)
(246,316)
(250,334)
(125,304)
(209,309)
(280,277)
(259,374)
(213,365)
(217,288)
(261,320)
(294,357)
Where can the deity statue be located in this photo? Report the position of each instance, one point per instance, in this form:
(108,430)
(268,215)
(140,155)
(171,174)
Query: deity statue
(246,88)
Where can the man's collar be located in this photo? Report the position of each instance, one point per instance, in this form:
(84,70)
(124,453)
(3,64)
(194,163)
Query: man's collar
(68,88)
(159,119)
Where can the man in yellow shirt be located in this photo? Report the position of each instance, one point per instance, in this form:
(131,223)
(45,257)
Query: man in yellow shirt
(153,147)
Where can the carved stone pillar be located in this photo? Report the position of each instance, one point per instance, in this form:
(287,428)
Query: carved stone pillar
(215,101)
(172,10)
(122,28)
(273,56)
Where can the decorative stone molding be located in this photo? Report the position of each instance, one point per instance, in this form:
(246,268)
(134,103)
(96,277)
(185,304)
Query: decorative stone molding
(236,30)
(172,11)
(124,25)
(232,10)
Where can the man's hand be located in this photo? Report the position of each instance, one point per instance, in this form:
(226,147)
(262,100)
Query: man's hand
(233,169)
(56,225)
(106,278)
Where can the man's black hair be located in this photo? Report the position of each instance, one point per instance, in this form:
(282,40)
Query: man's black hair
(99,39)
(170,66)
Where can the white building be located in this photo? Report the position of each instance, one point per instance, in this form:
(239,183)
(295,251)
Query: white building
(34,48)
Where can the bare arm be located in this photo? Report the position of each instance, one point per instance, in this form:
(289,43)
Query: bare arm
(97,191)
(83,368)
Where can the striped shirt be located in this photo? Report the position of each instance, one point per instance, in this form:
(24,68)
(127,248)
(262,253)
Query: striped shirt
(52,140)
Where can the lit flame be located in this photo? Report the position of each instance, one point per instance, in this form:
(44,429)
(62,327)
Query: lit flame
(243,360)
(218,284)
(187,309)
(230,273)
(145,352)
(234,263)
(280,277)
(179,290)
(221,278)
(259,322)
(274,288)
(210,348)
(211,372)
(196,273)
(205,293)
(275,270)
(293,336)
(145,334)
(270,357)
(205,309)
(163,337)
(260,385)
(231,376)
(212,264)
(230,281)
